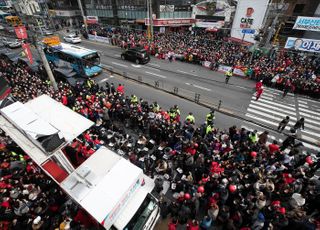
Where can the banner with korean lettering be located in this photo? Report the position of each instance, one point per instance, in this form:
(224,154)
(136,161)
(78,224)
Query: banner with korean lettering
(307,23)
(302,44)
(27,51)
(21,32)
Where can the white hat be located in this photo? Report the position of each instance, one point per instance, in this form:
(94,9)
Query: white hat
(299,199)
(37,220)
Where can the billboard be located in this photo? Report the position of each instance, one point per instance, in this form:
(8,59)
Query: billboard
(307,23)
(302,44)
(92,19)
(209,8)
(249,17)
(21,32)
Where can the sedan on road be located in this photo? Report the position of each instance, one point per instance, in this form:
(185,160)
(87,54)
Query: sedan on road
(138,55)
(11,43)
(72,38)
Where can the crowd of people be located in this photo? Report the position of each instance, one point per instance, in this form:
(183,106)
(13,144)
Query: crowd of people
(301,69)
(219,179)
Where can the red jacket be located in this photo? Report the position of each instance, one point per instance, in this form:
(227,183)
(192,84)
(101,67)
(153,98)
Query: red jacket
(120,89)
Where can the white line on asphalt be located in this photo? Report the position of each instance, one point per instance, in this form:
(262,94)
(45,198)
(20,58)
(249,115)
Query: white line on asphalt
(312,126)
(309,111)
(274,113)
(158,75)
(198,86)
(111,76)
(103,80)
(152,64)
(241,87)
(310,100)
(263,120)
(180,71)
(271,107)
(154,69)
(303,102)
(117,55)
(310,146)
(276,104)
(307,138)
(311,121)
(106,66)
(311,133)
(136,66)
(302,105)
(119,64)
(309,116)
(277,91)
(264,115)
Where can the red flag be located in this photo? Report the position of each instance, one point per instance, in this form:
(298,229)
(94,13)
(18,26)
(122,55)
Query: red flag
(21,32)
(27,51)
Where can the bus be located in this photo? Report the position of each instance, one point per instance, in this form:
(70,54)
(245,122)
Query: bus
(84,62)
(13,21)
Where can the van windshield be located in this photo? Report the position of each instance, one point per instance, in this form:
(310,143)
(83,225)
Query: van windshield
(141,217)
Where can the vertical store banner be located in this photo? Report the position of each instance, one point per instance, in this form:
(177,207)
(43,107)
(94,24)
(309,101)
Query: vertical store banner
(27,51)
(248,19)
(307,23)
(21,32)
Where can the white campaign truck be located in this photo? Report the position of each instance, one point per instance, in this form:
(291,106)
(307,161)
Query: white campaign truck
(112,190)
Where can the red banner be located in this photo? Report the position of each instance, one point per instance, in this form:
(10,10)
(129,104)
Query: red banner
(21,32)
(170,22)
(27,51)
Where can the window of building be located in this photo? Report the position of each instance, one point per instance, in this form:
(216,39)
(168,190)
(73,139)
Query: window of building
(298,9)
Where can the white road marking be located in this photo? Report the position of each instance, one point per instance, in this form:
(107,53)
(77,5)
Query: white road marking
(180,71)
(152,64)
(264,120)
(310,111)
(307,138)
(117,55)
(303,102)
(311,146)
(309,116)
(312,126)
(276,115)
(154,74)
(136,66)
(284,112)
(111,76)
(277,91)
(198,86)
(276,104)
(106,66)
(119,64)
(241,87)
(310,100)
(311,121)
(304,106)
(311,133)
(263,114)
(154,69)
(103,80)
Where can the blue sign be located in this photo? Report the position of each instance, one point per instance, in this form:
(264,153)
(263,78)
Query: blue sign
(248,31)
(303,44)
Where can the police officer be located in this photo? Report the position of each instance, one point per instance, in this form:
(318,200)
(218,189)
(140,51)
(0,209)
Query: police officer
(155,107)
(228,75)
(190,118)
(133,99)
(210,117)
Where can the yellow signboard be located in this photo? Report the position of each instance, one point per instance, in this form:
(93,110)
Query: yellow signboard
(51,41)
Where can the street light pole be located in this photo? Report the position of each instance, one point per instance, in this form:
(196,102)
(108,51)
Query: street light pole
(83,16)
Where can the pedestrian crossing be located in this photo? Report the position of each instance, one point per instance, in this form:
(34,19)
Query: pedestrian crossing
(271,108)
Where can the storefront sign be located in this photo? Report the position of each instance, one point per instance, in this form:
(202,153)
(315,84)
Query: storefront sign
(99,39)
(27,52)
(52,41)
(92,19)
(307,23)
(302,44)
(170,22)
(248,18)
(21,32)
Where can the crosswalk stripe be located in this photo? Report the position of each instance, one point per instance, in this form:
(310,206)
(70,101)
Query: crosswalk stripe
(311,121)
(311,133)
(309,111)
(277,91)
(277,104)
(273,113)
(302,105)
(283,112)
(310,116)
(310,139)
(311,126)
(303,102)
(309,100)
(264,120)
(311,146)
(281,101)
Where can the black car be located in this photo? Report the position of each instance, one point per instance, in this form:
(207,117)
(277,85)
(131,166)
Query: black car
(138,55)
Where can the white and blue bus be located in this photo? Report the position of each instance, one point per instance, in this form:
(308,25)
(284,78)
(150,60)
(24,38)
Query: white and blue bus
(84,62)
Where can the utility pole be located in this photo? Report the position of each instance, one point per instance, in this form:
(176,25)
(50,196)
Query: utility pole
(273,25)
(46,64)
(83,16)
(149,5)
